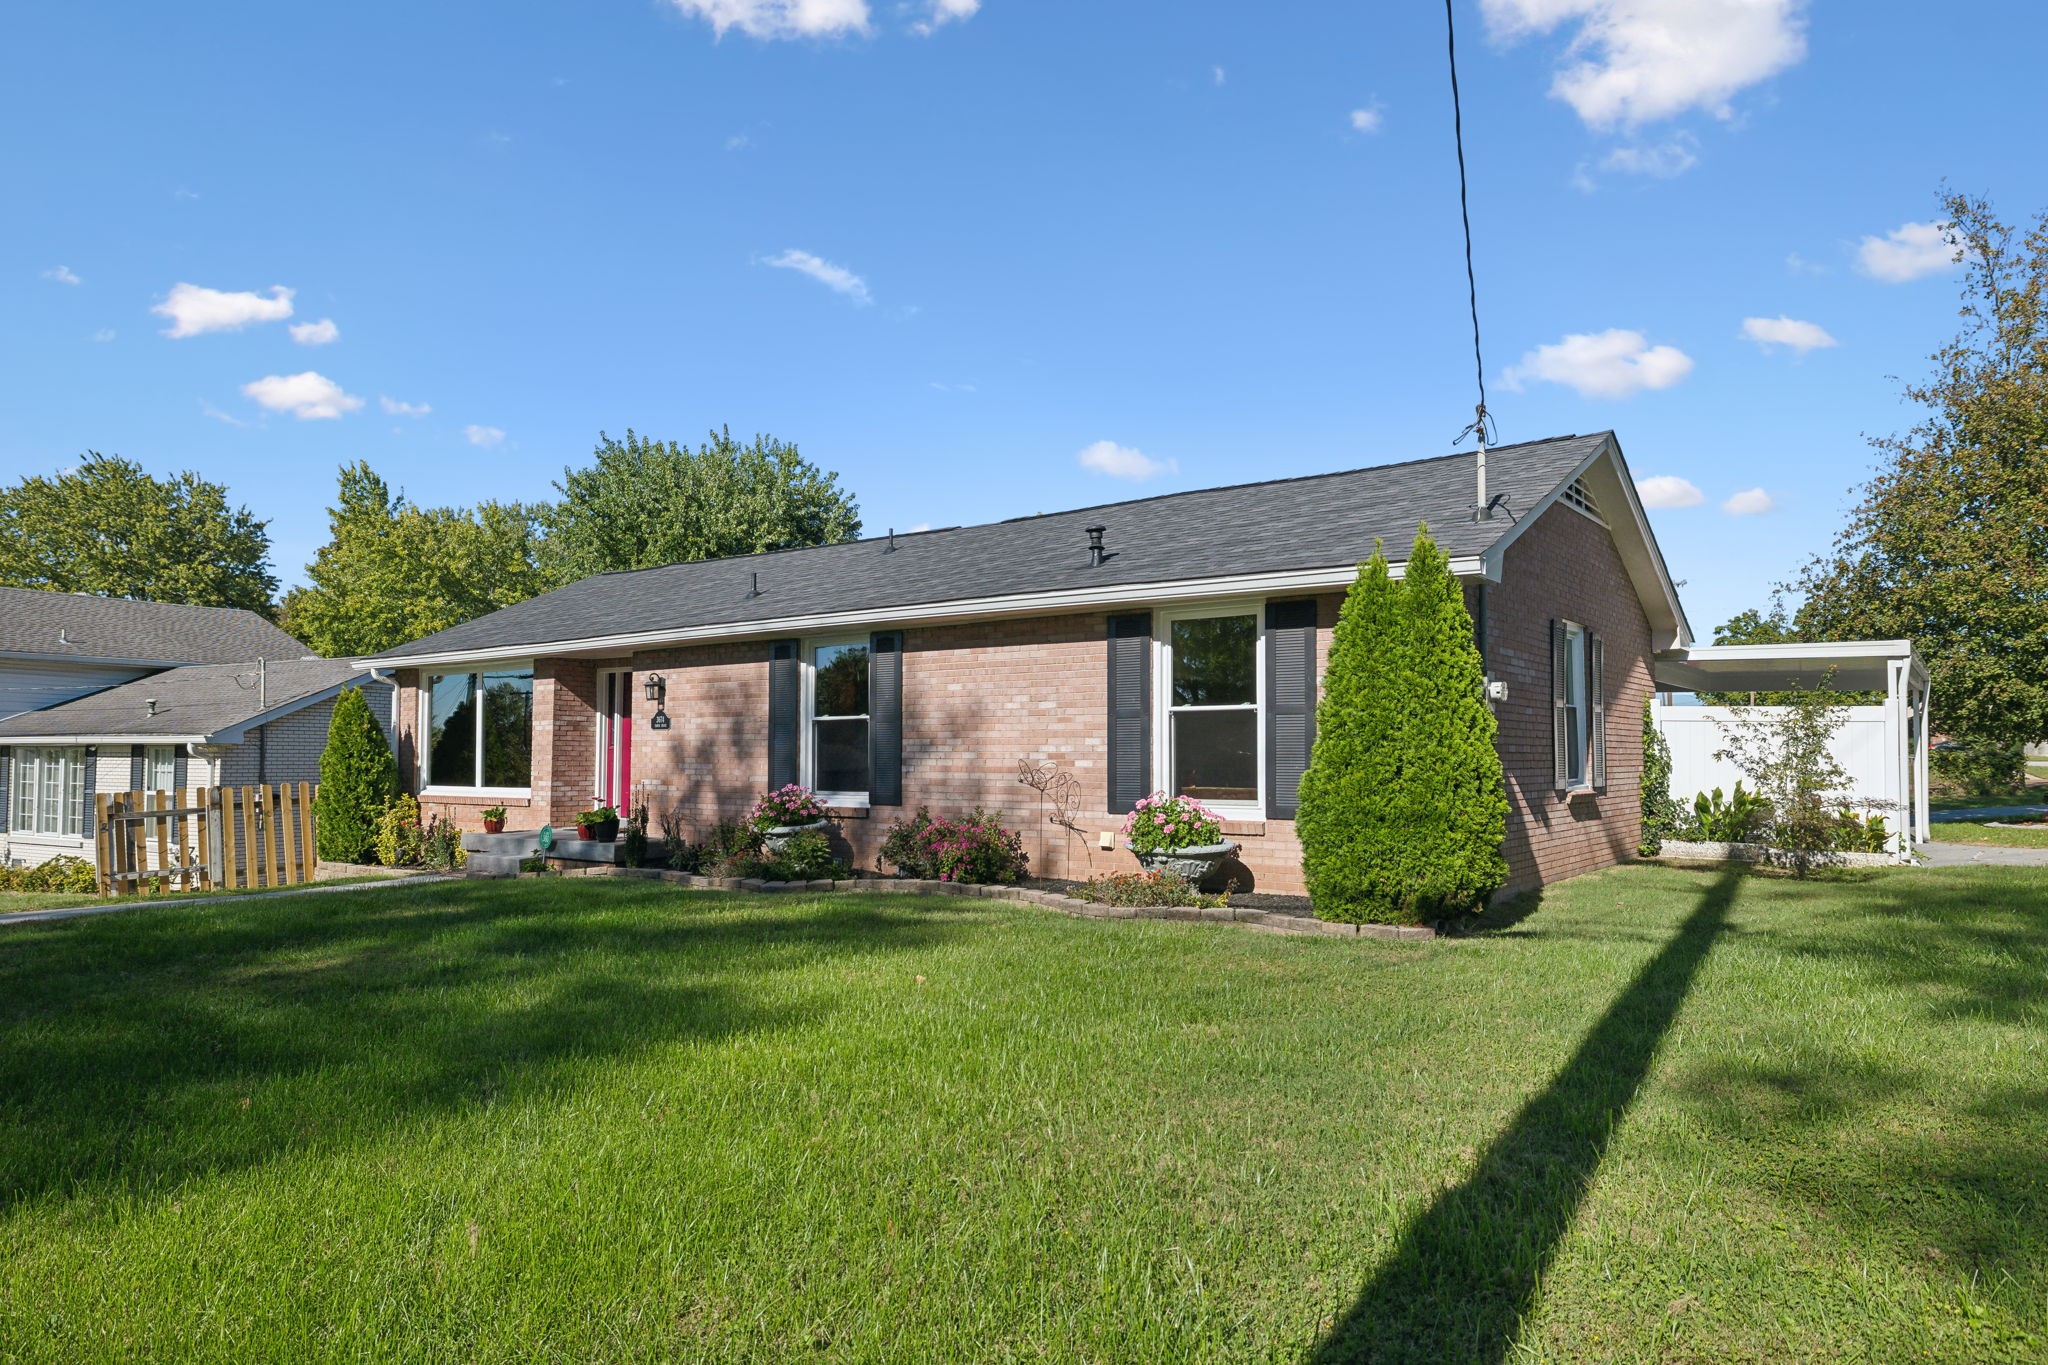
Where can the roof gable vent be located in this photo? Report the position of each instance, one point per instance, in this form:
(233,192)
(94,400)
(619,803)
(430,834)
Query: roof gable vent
(1579,498)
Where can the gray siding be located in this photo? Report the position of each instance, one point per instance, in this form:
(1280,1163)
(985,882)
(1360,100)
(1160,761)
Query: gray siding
(31,687)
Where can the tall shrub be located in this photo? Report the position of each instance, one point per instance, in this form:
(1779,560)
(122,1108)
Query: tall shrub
(1660,812)
(1403,808)
(1347,823)
(358,778)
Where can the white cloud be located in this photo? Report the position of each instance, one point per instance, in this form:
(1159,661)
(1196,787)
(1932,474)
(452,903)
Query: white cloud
(1366,120)
(1796,264)
(103,334)
(1610,364)
(1789,332)
(484,436)
(780,18)
(1666,491)
(314,333)
(836,278)
(306,396)
(738,142)
(1635,61)
(62,275)
(217,415)
(1906,253)
(193,309)
(398,409)
(1750,502)
(941,12)
(1665,160)
(1122,462)
(1218,74)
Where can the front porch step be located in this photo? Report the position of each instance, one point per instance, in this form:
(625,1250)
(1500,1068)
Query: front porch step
(492,864)
(523,843)
(584,850)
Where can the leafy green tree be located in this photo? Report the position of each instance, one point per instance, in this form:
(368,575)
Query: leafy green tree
(1661,813)
(358,779)
(1403,807)
(648,502)
(1949,545)
(392,571)
(108,527)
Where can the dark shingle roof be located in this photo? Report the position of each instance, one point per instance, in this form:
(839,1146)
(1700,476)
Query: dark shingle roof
(1318,521)
(63,625)
(196,700)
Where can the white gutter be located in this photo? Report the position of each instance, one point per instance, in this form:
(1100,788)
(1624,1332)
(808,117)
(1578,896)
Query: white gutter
(966,609)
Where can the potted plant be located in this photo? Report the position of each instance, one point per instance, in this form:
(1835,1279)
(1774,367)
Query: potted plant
(601,824)
(1176,834)
(783,814)
(494,819)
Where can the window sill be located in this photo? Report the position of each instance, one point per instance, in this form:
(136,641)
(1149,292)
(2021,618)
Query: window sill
(846,810)
(1582,792)
(493,796)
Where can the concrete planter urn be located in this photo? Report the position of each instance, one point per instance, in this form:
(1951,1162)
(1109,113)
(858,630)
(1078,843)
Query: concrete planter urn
(776,840)
(1193,865)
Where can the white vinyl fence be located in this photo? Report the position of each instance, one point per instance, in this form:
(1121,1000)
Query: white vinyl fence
(1867,746)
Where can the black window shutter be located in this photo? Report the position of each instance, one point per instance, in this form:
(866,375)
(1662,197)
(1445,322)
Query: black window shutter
(885,718)
(785,698)
(1130,711)
(6,789)
(1596,699)
(180,768)
(1290,703)
(135,770)
(1560,698)
(92,775)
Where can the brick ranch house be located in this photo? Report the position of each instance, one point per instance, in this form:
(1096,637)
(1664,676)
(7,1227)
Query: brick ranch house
(1182,655)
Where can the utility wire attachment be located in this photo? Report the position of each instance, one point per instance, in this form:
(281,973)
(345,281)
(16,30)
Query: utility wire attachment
(1481,425)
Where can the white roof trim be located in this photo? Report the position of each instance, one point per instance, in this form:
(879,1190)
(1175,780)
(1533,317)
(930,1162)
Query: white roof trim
(1860,665)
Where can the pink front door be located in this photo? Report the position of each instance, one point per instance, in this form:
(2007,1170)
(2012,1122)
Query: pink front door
(615,742)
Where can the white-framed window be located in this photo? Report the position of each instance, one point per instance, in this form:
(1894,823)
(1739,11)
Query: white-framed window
(836,764)
(477,730)
(159,768)
(1575,712)
(1212,702)
(49,792)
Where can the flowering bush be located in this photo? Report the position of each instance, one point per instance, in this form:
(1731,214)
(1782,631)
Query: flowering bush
(62,873)
(973,848)
(786,806)
(1145,889)
(1162,822)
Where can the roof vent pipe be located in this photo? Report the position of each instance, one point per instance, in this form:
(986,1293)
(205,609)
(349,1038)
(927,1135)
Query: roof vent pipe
(1096,554)
(151,704)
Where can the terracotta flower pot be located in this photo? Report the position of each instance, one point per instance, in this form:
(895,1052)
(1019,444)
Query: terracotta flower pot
(494,826)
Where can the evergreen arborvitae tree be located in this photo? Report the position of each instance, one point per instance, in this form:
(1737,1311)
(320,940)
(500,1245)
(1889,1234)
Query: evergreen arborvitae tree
(358,778)
(1403,808)
(1455,797)
(1349,832)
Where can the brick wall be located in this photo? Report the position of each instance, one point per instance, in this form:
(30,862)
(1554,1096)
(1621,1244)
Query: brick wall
(979,697)
(1566,566)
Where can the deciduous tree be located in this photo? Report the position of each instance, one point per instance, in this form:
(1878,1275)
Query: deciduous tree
(646,502)
(110,528)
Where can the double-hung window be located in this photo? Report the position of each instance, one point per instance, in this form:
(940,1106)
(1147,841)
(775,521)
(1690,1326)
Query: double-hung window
(839,721)
(159,768)
(1213,696)
(49,792)
(479,730)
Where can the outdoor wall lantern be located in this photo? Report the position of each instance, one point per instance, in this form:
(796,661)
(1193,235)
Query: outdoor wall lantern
(657,692)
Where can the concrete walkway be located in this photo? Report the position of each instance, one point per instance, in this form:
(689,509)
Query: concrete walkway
(1981,855)
(184,899)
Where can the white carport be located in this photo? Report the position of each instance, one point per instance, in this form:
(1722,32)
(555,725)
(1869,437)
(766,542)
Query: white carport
(1883,748)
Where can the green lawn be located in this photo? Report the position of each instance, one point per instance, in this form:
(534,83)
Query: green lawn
(13,902)
(1977,832)
(1664,1115)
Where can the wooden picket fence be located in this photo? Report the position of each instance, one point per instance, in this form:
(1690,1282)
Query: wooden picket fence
(204,838)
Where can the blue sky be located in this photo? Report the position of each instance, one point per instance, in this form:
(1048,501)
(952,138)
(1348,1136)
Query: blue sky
(989,259)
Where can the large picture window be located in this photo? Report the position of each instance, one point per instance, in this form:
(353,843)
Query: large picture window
(480,729)
(1212,721)
(49,792)
(839,720)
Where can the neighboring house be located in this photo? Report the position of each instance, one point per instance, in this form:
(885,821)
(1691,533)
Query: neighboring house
(1183,655)
(110,695)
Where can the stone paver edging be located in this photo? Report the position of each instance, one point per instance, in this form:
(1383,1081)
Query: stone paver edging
(1265,921)
(182,899)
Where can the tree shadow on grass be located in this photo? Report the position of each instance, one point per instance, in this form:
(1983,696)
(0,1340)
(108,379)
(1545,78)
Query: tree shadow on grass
(1466,1270)
(140,1051)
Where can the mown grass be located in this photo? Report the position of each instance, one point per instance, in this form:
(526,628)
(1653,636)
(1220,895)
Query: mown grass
(1978,832)
(12,902)
(1662,1115)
